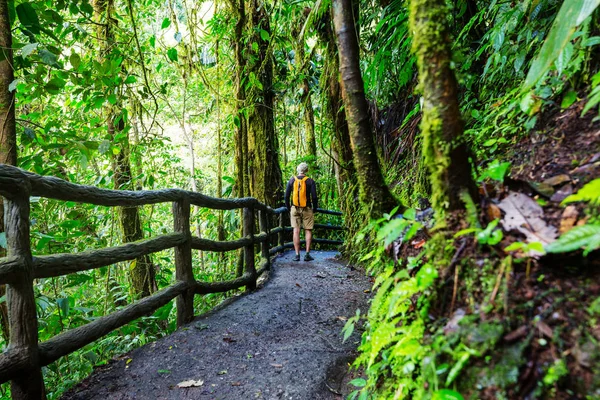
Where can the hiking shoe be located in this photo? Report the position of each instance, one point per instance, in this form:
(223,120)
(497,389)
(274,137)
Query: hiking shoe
(297,257)
(308,257)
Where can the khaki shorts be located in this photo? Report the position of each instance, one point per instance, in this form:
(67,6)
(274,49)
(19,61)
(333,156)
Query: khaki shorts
(302,216)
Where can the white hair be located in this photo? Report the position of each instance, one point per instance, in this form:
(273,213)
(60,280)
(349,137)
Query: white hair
(302,168)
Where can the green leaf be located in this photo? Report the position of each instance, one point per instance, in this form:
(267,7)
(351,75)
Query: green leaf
(28,49)
(112,99)
(48,57)
(86,7)
(447,394)
(28,17)
(587,236)
(571,14)
(13,85)
(358,382)
(590,192)
(75,60)
(166,23)
(54,85)
(152,41)
(569,98)
(63,304)
(130,79)
(264,35)
(172,54)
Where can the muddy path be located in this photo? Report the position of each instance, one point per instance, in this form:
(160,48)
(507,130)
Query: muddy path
(282,341)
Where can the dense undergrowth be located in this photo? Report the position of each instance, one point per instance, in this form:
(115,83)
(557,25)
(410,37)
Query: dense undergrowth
(470,305)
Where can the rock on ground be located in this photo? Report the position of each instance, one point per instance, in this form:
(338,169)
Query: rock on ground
(282,341)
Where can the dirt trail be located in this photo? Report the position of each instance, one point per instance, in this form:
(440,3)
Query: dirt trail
(280,342)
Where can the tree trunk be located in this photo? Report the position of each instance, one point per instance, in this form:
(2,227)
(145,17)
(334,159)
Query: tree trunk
(8,134)
(142,274)
(263,156)
(340,144)
(375,196)
(446,154)
(305,97)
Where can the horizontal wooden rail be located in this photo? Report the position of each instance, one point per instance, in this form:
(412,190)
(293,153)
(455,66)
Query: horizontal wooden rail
(13,178)
(214,245)
(71,340)
(23,359)
(64,264)
(290,245)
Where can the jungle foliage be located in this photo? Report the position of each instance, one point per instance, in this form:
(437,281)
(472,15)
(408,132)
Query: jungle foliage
(227,97)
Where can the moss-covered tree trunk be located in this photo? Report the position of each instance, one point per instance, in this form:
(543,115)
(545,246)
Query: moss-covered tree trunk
(142,273)
(375,196)
(446,154)
(238,8)
(305,97)
(263,156)
(341,148)
(8,134)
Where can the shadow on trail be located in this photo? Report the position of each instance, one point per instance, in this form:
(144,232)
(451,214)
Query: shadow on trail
(282,341)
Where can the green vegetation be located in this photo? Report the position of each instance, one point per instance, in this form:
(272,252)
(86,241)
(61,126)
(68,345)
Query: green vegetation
(459,104)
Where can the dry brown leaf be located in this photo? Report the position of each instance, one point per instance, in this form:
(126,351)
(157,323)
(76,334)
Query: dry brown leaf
(417,244)
(545,329)
(568,219)
(190,383)
(557,180)
(525,215)
(516,334)
(277,365)
(493,212)
(562,193)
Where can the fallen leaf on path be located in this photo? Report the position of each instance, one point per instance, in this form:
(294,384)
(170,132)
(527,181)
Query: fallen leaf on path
(562,193)
(229,339)
(277,365)
(525,215)
(569,217)
(200,326)
(545,329)
(516,334)
(493,212)
(190,383)
(557,180)
(236,383)
(297,284)
(224,372)
(342,318)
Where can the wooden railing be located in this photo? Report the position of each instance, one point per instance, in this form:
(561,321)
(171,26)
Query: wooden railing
(22,361)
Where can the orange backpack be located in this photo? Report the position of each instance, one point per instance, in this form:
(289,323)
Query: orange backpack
(299,194)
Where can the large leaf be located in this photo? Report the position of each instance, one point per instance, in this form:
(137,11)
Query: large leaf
(28,17)
(590,193)
(524,215)
(587,236)
(571,14)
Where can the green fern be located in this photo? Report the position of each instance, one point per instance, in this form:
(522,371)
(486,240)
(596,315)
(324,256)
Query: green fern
(587,236)
(589,193)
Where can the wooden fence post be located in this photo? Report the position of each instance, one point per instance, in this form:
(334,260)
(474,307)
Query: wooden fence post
(281,232)
(183,261)
(21,299)
(264,246)
(249,250)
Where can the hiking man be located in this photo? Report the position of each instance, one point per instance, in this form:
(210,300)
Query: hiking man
(302,205)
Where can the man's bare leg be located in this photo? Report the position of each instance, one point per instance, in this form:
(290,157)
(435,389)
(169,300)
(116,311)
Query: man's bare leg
(308,237)
(297,240)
